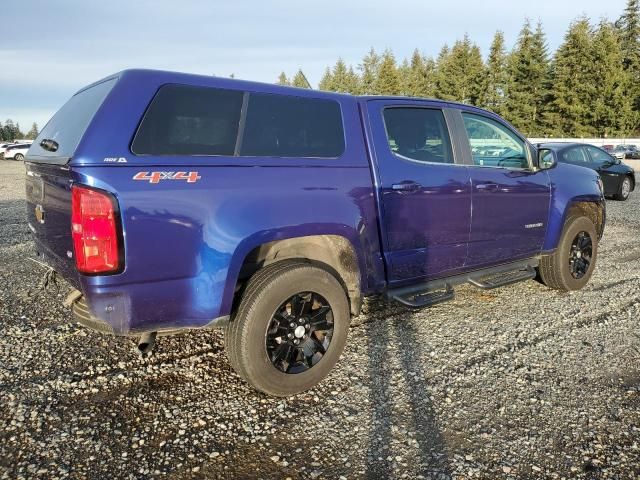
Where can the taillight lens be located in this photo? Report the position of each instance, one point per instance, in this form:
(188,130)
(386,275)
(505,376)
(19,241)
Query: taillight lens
(94,228)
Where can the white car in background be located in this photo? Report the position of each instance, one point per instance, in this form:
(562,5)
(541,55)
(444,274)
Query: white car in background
(3,147)
(16,152)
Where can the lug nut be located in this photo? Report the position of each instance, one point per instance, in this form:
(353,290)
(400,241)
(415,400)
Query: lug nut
(292,325)
(307,326)
(296,341)
(290,336)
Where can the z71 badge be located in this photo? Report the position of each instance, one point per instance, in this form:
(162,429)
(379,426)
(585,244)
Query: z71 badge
(155,177)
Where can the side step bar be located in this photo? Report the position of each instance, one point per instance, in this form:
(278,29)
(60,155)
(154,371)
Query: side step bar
(441,290)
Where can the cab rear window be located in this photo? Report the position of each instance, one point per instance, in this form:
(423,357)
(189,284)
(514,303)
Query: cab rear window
(204,121)
(68,125)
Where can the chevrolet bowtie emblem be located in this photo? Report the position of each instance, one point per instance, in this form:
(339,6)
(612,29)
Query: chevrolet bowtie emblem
(40,213)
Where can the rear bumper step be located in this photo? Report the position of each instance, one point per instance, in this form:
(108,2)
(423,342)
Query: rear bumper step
(441,290)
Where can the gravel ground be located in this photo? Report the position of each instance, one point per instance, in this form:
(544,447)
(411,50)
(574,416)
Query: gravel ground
(521,382)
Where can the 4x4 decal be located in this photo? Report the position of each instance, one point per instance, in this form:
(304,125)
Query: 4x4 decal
(155,177)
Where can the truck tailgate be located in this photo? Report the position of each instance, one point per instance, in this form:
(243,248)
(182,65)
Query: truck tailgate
(48,192)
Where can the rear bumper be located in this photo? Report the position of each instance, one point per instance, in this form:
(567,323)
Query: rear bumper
(83,314)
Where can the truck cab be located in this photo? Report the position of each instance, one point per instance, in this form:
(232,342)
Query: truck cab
(171,201)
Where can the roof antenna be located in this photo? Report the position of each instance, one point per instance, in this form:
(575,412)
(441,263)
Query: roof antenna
(305,78)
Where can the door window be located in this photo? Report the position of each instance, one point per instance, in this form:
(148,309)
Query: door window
(576,156)
(418,134)
(494,145)
(598,157)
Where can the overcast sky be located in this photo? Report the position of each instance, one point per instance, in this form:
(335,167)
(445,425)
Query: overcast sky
(49,49)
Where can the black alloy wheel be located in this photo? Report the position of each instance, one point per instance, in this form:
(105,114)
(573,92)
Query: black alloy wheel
(300,333)
(580,255)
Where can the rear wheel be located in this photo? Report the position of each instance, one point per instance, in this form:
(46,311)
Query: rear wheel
(573,262)
(625,189)
(19,157)
(290,328)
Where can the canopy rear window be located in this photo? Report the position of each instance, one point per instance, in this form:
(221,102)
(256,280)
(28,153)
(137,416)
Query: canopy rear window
(68,125)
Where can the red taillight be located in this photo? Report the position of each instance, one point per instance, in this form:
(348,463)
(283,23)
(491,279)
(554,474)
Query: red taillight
(95,231)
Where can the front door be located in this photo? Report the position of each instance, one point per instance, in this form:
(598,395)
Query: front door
(510,199)
(424,196)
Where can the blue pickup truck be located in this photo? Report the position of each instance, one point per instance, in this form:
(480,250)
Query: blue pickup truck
(172,201)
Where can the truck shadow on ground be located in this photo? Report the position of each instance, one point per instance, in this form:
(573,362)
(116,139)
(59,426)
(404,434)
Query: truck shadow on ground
(394,417)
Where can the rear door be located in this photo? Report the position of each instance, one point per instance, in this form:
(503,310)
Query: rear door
(424,195)
(510,199)
(48,180)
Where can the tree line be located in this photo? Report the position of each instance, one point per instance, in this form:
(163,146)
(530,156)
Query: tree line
(589,87)
(11,131)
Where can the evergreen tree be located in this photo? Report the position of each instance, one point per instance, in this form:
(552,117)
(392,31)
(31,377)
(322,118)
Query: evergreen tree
(33,133)
(369,73)
(299,80)
(610,111)
(461,73)
(388,79)
(418,76)
(629,28)
(283,80)
(528,82)
(326,82)
(495,95)
(572,81)
(2,137)
(353,82)
(11,130)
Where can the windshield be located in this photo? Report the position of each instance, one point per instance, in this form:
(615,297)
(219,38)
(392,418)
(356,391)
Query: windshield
(67,126)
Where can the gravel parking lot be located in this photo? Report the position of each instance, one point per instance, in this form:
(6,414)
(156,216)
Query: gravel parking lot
(520,382)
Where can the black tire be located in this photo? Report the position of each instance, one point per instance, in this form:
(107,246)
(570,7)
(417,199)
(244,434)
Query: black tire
(626,185)
(246,333)
(19,157)
(556,270)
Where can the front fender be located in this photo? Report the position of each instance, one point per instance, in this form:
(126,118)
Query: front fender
(570,186)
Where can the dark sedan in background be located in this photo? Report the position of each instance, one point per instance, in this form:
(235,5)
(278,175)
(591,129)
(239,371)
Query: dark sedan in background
(618,179)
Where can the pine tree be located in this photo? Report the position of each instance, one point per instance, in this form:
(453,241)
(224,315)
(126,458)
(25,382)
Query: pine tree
(299,80)
(418,76)
(388,79)
(33,133)
(629,28)
(572,81)
(353,82)
(2,137)
(461,73)
(369,73)
(610,112)
(283,80)
(326,82)
(11,130)
(495,95)
(528,82)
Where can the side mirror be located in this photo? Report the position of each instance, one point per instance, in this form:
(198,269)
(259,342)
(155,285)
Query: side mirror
(546,159)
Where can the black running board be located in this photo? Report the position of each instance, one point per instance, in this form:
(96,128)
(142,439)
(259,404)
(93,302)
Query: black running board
(441,290)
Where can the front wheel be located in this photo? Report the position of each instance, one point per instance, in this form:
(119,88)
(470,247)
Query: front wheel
(290,328)
(625,189)
(572,264)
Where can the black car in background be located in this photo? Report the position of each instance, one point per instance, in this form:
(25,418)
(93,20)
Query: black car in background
(618,179)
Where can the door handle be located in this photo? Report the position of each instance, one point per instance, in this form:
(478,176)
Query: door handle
(487,187)
(406,186)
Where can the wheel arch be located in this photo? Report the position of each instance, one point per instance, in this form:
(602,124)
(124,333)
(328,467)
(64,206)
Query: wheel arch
(591,208)
(332,252)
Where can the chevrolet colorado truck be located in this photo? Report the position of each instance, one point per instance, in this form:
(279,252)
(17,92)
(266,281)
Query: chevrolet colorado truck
(172,201)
